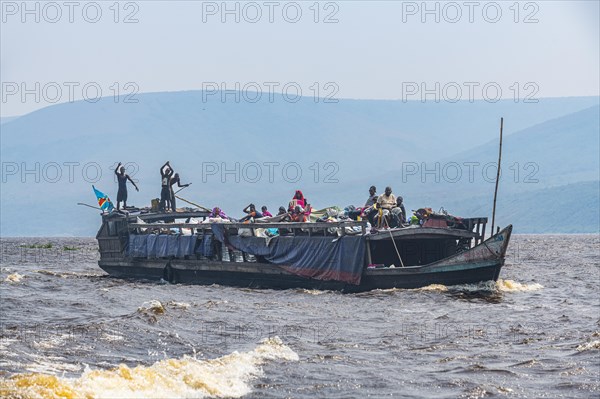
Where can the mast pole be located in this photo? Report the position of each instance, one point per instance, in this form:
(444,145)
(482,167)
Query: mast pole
(497,176)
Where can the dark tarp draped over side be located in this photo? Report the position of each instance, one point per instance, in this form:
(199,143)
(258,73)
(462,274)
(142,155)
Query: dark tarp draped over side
(321,258)
(205,248)
(160,246)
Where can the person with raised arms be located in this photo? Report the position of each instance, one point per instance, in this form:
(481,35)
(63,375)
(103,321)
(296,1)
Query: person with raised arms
(122,178)
(166,173)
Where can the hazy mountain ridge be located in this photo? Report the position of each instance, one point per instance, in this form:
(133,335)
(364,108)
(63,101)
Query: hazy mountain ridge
(362,137)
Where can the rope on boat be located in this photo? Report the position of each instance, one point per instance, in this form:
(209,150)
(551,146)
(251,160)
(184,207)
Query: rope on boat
(393,241)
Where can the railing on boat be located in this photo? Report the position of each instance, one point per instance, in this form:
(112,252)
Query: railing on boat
(475,227)
(309,227)
(112,243)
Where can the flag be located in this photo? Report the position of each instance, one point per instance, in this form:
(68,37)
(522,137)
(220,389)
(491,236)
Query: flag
(103,201)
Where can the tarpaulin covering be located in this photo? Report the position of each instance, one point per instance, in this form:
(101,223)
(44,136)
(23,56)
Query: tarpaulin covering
(205,248)
(160,246)
(321,258)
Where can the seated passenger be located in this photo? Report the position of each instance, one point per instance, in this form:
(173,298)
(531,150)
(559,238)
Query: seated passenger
(298,214)
(251,213)
(372,200)
(218,213)
(400,204)
(397,218)
(385,203)
(369,210)
(298,208)
(265,211)
(281,211)
(299,200)
(387,200)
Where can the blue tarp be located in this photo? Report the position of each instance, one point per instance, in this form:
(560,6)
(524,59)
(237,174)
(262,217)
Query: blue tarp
(205,248)
(160,246)
(321,258)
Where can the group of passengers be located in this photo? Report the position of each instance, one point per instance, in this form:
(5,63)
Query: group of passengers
(381,211)
(385,210)
(298,211)
(167,196)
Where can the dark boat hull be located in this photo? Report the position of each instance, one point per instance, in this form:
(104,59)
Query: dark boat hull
(481,263)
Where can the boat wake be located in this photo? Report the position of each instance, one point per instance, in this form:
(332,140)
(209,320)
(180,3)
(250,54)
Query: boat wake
(589,346)
(486,288)
(14,278)
(70,274)
(227,376)
(152,306)
(513,286)
(433,287)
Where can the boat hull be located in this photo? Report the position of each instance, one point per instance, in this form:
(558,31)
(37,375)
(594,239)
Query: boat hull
(222,274)
(481,263)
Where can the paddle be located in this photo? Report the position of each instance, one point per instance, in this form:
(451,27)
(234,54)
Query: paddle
(89,206)
(191,203)
(186,186)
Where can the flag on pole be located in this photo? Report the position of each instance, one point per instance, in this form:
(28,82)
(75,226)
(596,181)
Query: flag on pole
(103,201)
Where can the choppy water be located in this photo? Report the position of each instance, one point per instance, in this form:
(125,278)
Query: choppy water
(68,330)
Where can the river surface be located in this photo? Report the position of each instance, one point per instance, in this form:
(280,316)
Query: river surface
(69,330)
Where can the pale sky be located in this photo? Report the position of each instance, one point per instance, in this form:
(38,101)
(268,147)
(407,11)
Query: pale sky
(369,50)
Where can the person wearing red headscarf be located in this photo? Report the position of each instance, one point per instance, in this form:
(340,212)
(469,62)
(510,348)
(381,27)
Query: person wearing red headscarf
(299,208)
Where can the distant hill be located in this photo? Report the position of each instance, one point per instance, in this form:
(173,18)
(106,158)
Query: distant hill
(184,124)
(6,119)
(563,150)
(551,178)
(362,139)
(570,208)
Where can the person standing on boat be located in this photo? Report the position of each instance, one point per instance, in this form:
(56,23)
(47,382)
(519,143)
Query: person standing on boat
(385,203)
(174,180)
(122,178)
(166,172)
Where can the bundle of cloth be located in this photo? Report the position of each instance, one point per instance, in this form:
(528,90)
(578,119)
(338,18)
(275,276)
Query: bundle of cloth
(335,214)
(428,217)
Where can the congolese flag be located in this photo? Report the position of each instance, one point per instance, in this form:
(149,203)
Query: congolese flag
(103,201)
